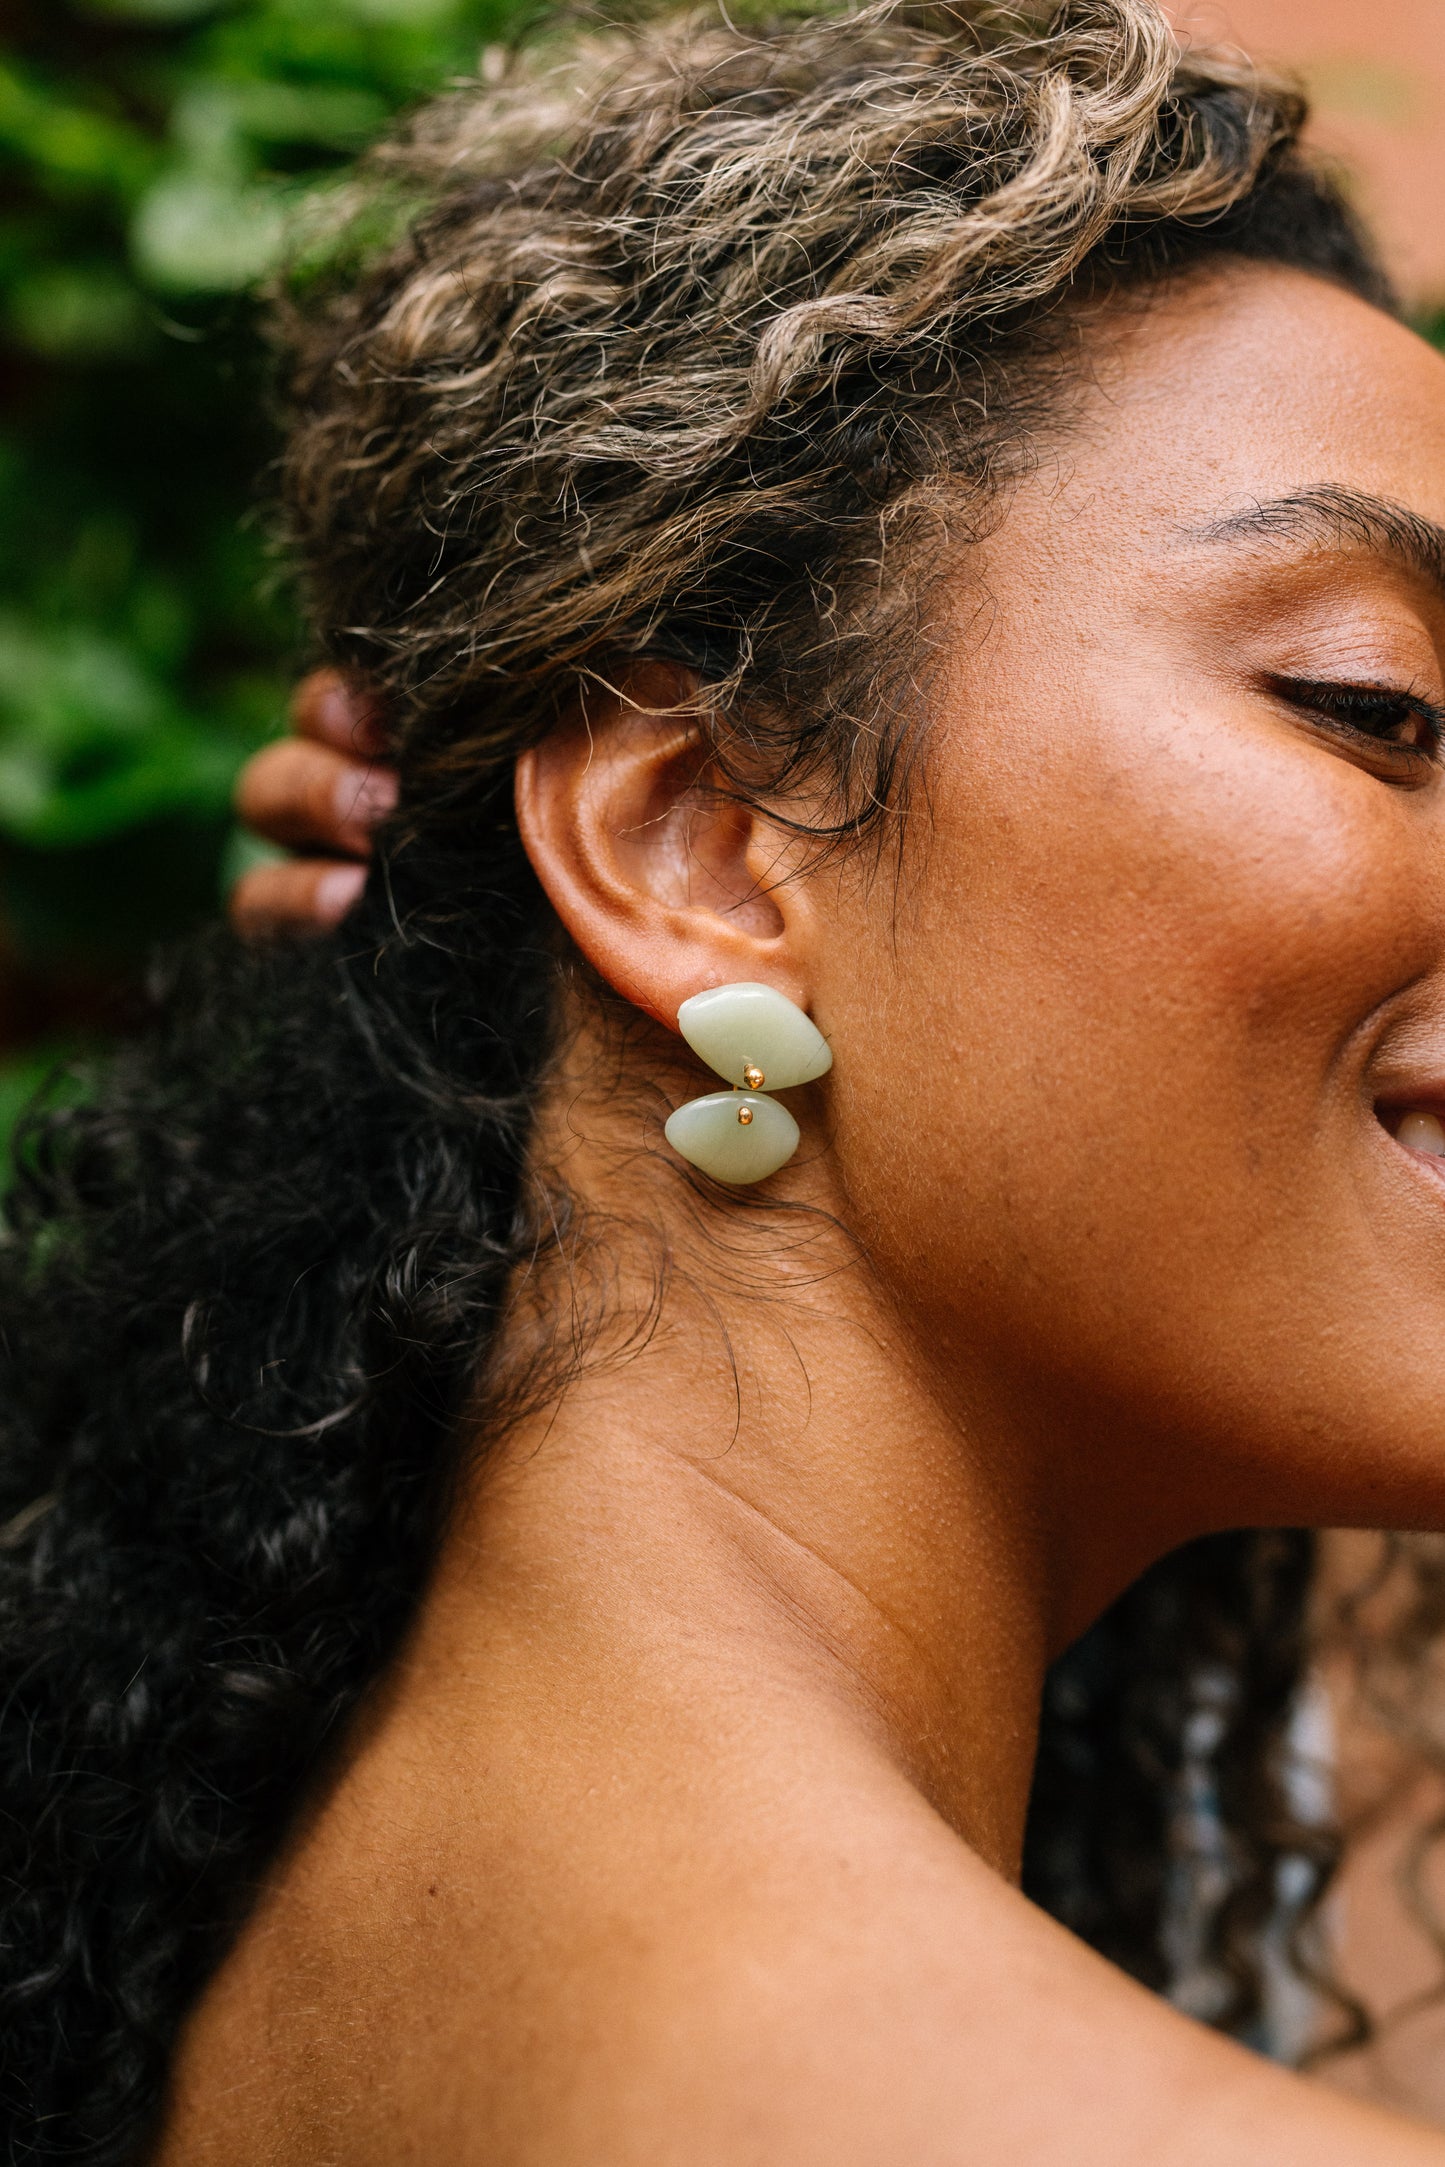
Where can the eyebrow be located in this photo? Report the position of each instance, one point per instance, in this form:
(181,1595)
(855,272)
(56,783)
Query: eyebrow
(1338,516)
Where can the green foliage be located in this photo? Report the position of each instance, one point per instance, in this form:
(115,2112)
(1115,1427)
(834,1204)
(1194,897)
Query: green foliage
(153,154)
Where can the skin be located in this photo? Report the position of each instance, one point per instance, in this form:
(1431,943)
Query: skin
(321,790)
(686,1826)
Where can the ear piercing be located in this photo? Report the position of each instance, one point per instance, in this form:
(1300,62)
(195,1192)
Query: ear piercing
(753,1036)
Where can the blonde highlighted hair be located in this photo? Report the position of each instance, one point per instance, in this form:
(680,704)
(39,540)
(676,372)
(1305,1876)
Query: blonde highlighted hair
(691,322)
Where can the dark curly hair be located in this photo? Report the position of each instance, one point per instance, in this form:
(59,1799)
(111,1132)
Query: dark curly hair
(700,342)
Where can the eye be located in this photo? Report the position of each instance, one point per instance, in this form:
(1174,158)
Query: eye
(1393,721)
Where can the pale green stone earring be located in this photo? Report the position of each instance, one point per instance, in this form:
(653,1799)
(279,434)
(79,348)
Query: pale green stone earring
(754,1036)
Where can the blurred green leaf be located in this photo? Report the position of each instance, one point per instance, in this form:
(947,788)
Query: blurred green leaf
(198,234)
(89,742)
(157,157)
(76,311)
(152,11)
(68,146)
(400,11)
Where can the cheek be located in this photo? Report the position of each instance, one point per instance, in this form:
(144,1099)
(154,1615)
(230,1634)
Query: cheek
(1111,1083)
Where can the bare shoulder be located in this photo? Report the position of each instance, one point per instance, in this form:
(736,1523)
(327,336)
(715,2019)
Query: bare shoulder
(862,1992)
(912,2010)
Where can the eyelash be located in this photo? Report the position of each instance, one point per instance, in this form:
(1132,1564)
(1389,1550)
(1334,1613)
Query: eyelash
(1368,711)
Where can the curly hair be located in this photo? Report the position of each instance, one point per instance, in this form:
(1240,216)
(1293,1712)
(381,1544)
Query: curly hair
(711,343)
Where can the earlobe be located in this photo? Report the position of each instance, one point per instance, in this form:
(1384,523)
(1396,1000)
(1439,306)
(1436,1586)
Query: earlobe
(665,885)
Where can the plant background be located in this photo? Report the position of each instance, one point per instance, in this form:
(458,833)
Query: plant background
(151,155)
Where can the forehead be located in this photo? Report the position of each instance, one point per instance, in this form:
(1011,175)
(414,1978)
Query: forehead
(1253,383)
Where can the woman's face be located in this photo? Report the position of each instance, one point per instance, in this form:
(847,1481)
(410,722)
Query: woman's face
(1120,1072)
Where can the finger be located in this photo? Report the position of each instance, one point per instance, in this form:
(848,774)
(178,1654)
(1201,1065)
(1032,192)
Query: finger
(296,792)
(336,710)
(304,895)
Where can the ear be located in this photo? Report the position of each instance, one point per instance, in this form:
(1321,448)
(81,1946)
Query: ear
(664,888)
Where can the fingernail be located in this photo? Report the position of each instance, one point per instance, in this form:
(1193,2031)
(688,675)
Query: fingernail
(337,890)
(364,800)
(333,709)
(349,717)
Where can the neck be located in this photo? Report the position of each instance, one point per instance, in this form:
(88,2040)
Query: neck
(763,1482)
(766,1468)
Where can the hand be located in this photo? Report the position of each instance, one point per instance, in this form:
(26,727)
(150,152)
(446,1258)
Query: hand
(323,789)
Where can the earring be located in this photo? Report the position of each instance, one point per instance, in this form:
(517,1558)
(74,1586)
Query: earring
(754,1036)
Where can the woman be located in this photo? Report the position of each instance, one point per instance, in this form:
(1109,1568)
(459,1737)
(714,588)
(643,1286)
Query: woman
(518,1649)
